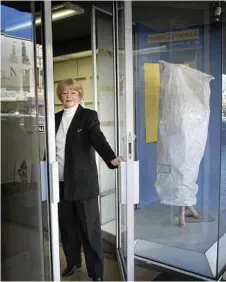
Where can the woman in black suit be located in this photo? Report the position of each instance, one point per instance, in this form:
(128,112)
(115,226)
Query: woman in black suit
(78,136)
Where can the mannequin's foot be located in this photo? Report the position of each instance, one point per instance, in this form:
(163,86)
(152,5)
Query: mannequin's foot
(182,217)
(181,221)
(193,213)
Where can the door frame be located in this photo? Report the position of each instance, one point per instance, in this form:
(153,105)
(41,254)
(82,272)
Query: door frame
(51,163)
(96,10)
(127,268)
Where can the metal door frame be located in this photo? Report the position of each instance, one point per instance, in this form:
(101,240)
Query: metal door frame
(52,165)
(128,271)
(95,88)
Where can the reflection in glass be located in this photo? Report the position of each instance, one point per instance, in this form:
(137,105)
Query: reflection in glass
(178,82)
(24,249)
(106,113)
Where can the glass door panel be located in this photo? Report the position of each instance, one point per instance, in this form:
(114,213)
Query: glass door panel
(122,207)
(113,99)
(22,230)
(127,173)
(26,248)
(222,206)
(105,105)
(179,136)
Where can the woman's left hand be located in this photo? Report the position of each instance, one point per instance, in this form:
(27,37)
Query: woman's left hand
(117,161)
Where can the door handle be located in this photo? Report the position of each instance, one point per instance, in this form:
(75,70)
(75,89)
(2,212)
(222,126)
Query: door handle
(122,177)
(44,180)
(54,182)
(136,181)
(123,181)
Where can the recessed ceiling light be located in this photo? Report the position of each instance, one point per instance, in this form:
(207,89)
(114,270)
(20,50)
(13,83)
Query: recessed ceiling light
(61,11)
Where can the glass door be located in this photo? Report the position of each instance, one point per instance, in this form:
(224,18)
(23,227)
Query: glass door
(104,102)
(128,176)
(51,163)
(30,241)
(180,138)
(113,99)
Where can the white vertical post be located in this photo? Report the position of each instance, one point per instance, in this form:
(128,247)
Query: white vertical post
(130,137)
(50,137)
(95,88)
(116,93)
(94,55)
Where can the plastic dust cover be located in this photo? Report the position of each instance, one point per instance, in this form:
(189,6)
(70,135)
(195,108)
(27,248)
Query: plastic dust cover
(183,128)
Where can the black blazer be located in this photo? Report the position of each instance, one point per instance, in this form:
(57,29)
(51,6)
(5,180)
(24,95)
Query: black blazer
(80,169)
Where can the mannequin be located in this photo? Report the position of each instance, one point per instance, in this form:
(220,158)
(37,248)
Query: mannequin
(183,129)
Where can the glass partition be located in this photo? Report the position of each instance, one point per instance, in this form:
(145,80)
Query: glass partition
(127,172)
(105,106)
(222,207)
(178,85)
(25,215)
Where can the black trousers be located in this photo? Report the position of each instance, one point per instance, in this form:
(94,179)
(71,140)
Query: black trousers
(79,222)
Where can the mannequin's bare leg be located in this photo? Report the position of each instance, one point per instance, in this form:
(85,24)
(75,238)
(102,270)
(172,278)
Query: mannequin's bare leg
(182,217)
(193,212)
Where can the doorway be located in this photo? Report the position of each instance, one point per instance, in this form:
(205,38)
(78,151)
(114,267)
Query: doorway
(28,122)
(94,68)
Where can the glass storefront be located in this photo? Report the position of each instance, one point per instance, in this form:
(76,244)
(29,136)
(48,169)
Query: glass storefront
(25,232)
(222,206)
(180,126)
(30,238)
(180,130)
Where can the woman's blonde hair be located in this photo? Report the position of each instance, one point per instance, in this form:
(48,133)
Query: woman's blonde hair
(73,83)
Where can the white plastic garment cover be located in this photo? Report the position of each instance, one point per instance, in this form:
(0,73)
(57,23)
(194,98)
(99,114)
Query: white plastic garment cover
(183,127)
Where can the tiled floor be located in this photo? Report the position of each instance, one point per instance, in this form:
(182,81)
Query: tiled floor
(23,251)
(22,261)
(112,272)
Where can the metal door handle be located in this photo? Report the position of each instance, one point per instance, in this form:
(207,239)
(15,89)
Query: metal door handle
(44,180)
(122,178)
(54,182)
(123,183)
(136,182)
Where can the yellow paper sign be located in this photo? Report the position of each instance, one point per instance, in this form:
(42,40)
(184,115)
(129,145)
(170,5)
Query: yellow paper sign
(152,89)
(152,93)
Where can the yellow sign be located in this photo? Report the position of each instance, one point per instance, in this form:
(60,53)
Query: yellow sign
(152,89)
(152,93)
(167,37)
